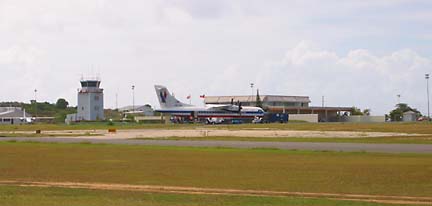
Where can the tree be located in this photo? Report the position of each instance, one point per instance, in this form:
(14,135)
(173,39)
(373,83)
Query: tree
(366,112)
(62,104)
(258,100)
(397,113)
(356,111)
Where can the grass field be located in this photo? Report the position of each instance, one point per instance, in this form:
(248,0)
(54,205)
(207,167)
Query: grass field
(94,126)
(259,169)
(414,128)
(419,127)
(19,196)
(243,169)
(21,134)
(382,140)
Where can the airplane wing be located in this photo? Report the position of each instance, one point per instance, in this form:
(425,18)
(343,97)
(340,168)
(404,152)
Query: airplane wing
(224,107)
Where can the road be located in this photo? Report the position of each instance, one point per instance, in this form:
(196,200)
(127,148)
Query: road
(345,147)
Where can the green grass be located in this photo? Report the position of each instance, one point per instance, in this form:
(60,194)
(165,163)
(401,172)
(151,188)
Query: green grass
(18,134)
(93,126)
(260,169)
(19,196)
(383,140)
(418,127)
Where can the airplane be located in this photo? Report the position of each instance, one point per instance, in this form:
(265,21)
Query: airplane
(25,119)
(169,104)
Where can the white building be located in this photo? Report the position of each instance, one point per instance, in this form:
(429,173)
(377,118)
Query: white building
(409,116)
(145,110)
(14,115)
(297,105)
(90,102)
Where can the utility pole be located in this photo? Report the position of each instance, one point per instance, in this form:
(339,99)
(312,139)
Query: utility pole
(252,86)
(133,97)
(398,96)
(427,91)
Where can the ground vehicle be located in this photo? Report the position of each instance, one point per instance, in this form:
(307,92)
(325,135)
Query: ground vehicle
(236,121)
(257,120)
(215,120)
(276,117)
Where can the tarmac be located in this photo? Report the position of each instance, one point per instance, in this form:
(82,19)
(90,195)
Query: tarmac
(270,133)
(309,146)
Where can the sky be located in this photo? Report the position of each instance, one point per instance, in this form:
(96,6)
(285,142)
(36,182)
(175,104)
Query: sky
(354,53)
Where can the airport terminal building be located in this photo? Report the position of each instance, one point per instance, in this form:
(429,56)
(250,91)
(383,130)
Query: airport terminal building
(13,115)
(284,104)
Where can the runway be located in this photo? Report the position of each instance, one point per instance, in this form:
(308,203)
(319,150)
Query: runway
(310,146)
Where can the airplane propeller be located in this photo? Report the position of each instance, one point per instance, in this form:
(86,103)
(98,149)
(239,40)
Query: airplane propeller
(238,104)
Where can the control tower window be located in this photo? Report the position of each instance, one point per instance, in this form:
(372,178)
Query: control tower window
(90,84)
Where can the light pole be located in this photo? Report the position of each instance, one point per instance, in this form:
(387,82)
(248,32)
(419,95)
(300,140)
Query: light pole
(35,101)
(252,86)
(133,97)
(322,101)
(116,103)
(398,96)
(427,90)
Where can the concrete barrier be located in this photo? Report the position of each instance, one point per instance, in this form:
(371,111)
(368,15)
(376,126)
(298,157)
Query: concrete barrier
(303,117)
(149,119)
(358,118)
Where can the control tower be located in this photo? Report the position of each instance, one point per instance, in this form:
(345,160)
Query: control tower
(90,101)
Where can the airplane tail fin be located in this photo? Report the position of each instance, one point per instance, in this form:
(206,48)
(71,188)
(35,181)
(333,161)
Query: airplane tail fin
(166,100)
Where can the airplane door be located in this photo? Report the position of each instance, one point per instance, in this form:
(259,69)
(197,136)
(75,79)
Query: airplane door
(194,114)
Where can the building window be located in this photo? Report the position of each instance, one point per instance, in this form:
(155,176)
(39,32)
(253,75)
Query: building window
(82,108)
(97,98)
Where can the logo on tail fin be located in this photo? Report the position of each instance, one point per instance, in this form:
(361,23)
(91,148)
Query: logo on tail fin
(163,95)
(167,100)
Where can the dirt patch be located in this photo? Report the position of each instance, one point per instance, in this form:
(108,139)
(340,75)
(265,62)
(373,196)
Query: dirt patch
(214,191)
(125,134)
(164,133)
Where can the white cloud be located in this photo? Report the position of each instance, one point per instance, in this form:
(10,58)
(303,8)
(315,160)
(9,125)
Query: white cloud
(177,15)
(303,53)
(19,55)
(359,78)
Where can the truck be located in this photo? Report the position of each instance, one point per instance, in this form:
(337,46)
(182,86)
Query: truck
(276,117)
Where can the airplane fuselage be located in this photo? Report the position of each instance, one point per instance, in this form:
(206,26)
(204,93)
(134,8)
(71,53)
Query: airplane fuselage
(209,112)
(169,104)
